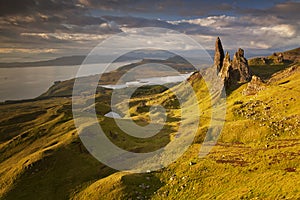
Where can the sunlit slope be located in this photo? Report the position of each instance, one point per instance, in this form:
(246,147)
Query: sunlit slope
(41,155)
(266,66)
(257,154)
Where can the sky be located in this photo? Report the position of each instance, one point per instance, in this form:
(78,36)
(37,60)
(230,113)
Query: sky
(45,29)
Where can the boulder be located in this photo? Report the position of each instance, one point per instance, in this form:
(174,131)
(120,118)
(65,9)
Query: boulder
(254,86)
(278,58)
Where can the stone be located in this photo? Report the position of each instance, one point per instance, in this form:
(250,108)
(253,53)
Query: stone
(233,72)
(254,86)
(278,58)
(224,73)
(264,60)
(225,70)
(192,163)
(219,55)
(240,67)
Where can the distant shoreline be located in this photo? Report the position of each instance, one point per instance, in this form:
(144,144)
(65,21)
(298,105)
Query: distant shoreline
(62,61)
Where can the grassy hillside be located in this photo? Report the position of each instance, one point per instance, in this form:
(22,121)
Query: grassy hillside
(257,155)
(265,67)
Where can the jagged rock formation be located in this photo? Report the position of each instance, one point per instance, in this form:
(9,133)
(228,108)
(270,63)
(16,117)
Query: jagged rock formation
(278,57)
(254,86)
(240,67)
(224,73)
(219,55)
(232,72)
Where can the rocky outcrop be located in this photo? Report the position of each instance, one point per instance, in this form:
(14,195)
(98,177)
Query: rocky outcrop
(232,72)
(286,58)
(278,58)
(240,67)
(224,73)
(285,73)
(254,86)
(219,55)
(292,56)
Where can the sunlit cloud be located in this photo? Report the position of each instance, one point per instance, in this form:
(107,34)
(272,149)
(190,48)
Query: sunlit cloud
(25,50)
(259,45)
(283,30)
(78,26)
(208,21)
(67,36)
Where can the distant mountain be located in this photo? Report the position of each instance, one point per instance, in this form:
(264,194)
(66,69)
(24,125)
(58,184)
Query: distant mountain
(68,60)
(93,59)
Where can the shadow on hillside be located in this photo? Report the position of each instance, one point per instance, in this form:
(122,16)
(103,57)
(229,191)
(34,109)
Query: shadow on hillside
(265,72)
(231,88)
(58,174)
(141,186)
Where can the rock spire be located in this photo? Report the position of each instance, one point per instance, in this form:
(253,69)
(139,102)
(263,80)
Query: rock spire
(232,72)
(219,55)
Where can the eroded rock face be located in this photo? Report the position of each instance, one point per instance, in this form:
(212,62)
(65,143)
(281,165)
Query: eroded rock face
(278,57)
(232,72)
(240,67)
(219,55)
(254,86)
(224,73)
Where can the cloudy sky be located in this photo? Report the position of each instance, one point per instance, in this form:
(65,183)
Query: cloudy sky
(45,29)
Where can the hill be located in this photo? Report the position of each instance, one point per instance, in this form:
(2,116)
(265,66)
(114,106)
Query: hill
(93,59)
(267,65)
(62,61)
(257,154)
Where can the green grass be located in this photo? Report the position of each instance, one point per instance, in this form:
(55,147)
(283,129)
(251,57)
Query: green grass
(266,71)
(257,155)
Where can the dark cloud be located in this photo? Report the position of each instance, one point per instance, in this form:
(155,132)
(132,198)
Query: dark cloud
(173,7)
(12,7)
(286,10)
(77,24)
(23,7)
